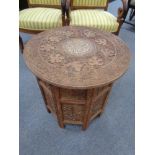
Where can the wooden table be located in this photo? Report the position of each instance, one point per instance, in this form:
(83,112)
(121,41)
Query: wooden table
(75,68)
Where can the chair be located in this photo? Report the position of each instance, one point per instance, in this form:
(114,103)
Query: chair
(93,13)
(130,5)
(41,15)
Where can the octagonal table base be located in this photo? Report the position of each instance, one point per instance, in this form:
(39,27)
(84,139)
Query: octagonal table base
(74,106)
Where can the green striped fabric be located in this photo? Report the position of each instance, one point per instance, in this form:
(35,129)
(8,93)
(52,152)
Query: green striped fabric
(95,3)
(40,18)
(94,18)
(45,2)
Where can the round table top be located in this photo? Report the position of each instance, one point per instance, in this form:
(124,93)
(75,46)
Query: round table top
(77,57)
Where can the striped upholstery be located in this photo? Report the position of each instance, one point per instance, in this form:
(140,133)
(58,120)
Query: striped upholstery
(96,3)
(40,18)
(94,18)
(45,2)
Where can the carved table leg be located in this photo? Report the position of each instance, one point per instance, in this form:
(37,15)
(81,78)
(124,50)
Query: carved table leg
(59,113)
(43,95)
(89,101)
(105,99)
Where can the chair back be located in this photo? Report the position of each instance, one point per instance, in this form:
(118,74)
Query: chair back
(44,3)
(131,3)
(89,4)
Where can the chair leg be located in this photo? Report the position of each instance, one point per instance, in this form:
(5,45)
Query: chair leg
(67,22)
(67,12)
(21,44)
(126,14)
(119,27)
(63,20)
(132,14)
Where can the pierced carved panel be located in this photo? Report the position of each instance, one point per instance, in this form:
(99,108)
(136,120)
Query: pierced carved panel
(73,94)
(73,112)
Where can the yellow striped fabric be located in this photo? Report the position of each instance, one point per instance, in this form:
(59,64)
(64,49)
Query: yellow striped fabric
(40,18)
(45,2)
(95,3)
(94,18)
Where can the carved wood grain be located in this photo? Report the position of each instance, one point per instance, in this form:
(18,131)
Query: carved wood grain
(57,58)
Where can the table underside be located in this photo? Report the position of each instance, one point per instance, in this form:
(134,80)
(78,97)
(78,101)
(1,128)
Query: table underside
(74,106)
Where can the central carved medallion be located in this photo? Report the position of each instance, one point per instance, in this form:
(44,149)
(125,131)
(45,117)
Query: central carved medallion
(78,47)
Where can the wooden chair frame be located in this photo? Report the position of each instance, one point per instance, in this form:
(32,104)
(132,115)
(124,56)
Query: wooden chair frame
(120,18)
(62,7)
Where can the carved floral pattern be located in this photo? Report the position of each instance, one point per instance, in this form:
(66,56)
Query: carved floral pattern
(101,41)
(92,50)
(54,39)
(89,34)
(77,66)
(111,53)
(47,47)
(64,33)
(95,61)
(56,59)
(78,47)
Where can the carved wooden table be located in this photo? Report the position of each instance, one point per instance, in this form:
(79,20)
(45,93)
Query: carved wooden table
(75,69)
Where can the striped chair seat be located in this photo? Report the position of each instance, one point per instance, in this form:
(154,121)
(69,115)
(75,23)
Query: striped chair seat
(40,18)
(94,18)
